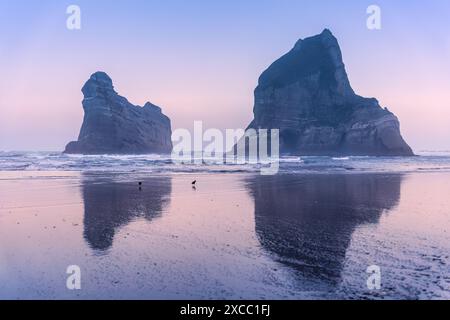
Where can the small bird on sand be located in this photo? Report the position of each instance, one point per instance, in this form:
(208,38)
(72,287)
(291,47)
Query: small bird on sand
(140,183)
(194,182)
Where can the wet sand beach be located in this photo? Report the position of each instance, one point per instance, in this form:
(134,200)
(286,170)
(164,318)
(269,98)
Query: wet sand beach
(236,235)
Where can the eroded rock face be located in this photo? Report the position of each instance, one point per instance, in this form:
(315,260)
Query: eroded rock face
(307,95)
(111,124)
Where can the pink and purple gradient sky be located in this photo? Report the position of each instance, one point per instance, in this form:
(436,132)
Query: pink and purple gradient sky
(200,60)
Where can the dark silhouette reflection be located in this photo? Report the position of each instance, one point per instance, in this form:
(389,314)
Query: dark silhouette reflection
(109,204)
(307,221)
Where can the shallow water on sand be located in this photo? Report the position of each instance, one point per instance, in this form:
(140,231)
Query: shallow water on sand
(289,236)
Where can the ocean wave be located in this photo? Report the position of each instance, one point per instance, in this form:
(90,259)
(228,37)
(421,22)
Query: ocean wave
(53,161)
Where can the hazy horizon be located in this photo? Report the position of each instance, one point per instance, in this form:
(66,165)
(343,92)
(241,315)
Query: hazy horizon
(201,61)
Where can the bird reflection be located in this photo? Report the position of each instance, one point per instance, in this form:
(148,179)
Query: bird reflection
(307,221)
(109,204)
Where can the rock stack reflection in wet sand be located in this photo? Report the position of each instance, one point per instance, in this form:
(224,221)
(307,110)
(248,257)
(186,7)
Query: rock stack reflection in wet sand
(308,221)
(108,205)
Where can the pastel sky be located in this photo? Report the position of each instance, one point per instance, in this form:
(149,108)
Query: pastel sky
(200,60)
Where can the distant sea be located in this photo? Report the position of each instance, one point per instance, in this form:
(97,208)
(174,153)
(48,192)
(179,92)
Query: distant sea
(428,161)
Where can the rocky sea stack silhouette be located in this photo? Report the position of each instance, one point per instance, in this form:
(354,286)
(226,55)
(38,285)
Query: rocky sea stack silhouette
(306,94)
(113,125)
